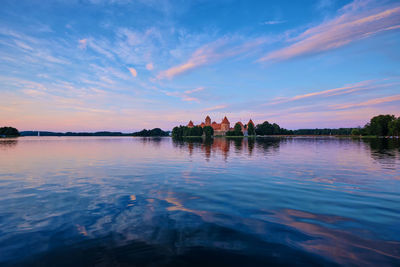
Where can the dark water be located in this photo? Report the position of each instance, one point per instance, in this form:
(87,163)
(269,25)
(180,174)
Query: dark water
(132,201)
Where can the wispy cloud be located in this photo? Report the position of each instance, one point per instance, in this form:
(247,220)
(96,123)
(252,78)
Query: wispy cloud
(273,22)
(82,43)
(198,89)
(364,85)
(211,53)
(218,107)
(354,23)
(186,95)
(370,102)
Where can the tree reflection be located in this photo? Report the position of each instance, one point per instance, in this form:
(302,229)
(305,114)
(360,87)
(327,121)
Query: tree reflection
(384,150)
(223,146)
(8,143)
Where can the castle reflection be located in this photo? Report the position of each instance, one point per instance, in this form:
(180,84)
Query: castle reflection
(226,146)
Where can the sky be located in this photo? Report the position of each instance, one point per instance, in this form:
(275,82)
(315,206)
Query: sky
(125,65)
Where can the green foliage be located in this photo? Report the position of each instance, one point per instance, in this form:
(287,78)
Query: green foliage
(379,125)
(250,129)
(267,128)
(356,131)
(276,128)
(153,132)
(184,131)
(208,131)
(238,130)
(394,127)
(9,132)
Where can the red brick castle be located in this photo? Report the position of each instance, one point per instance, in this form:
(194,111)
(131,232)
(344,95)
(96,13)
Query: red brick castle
(221,128)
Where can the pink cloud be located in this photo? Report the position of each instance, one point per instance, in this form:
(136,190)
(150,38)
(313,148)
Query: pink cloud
(149,66)
(133,72)
(370,102)
(210,53)
(354,24)
(82,43)
(364,85)
(198,89)
(186,95)
(218,107)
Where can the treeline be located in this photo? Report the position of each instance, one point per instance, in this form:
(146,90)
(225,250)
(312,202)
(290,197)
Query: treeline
(196,131)
(9,132)
(325,131)
(153,132)
(46,133)
(144,132)
(381,125)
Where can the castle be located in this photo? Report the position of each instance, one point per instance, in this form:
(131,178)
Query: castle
(223,127)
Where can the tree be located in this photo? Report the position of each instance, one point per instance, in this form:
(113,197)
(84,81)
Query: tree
(250,129)
(238,129)
(265,128)
(276,129)
(208,131)
(9,132)
(177,132)
(184,131)
(379,125)
(355,131)
(144,132)
(394,127)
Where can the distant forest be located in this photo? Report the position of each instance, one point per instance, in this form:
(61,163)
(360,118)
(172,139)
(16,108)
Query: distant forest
(144,132)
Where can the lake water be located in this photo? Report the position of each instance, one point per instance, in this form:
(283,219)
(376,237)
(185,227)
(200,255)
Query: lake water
(126,201)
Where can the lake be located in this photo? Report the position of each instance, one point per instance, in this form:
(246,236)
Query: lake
(126,201)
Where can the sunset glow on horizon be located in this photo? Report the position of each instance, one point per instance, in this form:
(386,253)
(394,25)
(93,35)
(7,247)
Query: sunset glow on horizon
(125,65)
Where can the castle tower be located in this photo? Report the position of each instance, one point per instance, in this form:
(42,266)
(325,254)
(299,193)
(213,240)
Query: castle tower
(190,124)
(250,121)
(225,124)
(208,121)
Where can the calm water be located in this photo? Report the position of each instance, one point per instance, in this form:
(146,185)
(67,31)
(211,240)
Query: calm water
(133,201)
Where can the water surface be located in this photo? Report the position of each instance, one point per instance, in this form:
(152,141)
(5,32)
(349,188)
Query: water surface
(154,201)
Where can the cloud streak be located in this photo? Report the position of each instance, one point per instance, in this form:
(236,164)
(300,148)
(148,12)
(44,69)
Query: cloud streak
(210,53)
(218,107)
(273,22)
(186,95)
(354,24)
(370,102)
(364,85)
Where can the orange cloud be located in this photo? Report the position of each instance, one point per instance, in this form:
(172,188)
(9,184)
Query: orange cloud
(133,72)
(340,31)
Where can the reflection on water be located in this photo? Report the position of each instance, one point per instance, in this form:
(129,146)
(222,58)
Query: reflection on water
(6,143)
(248,202)
(225,145)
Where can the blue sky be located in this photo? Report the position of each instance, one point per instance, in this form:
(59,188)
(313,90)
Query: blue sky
(126,65)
